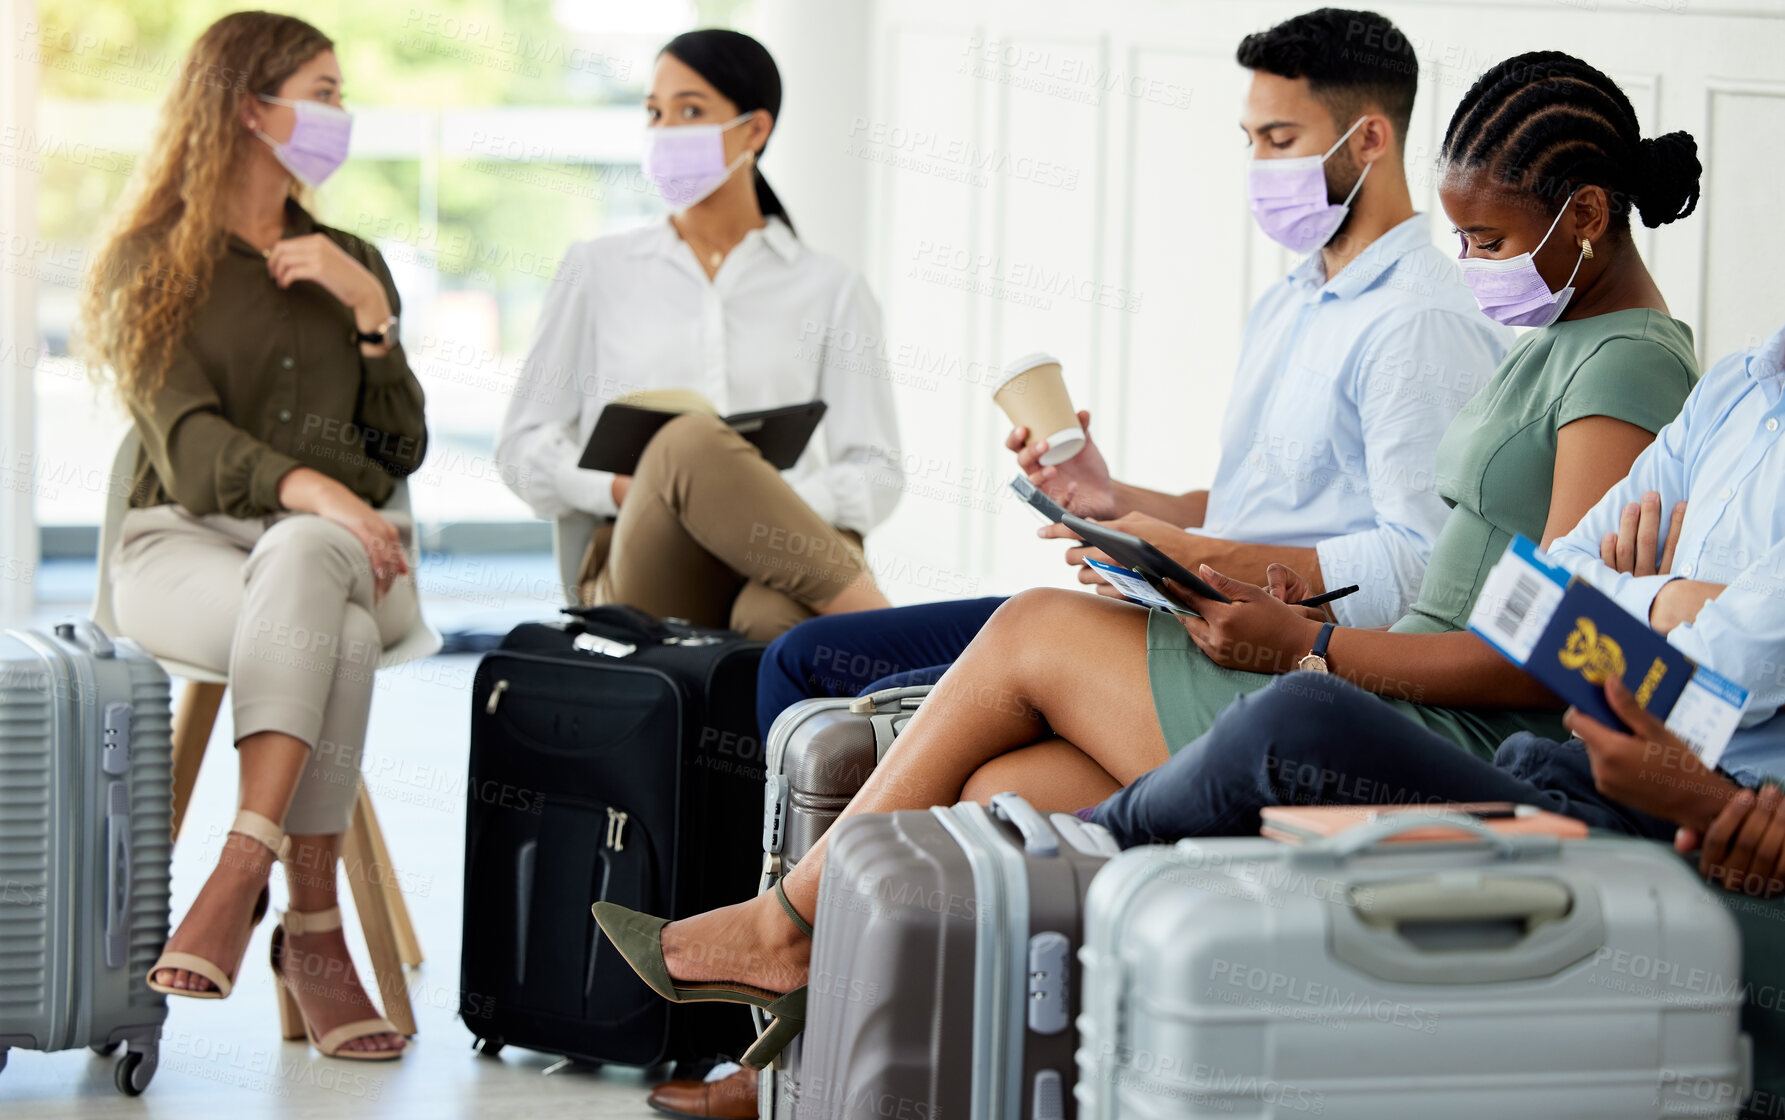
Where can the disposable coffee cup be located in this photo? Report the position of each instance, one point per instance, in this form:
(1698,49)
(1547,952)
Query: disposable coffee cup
(1033,394)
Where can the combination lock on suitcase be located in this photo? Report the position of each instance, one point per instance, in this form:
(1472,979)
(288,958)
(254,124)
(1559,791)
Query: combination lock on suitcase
(85,839)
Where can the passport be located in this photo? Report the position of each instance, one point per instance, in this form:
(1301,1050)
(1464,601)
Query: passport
(1572,637)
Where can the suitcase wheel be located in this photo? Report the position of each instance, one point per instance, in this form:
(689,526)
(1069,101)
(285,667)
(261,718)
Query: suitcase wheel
(488,1047)
(106,1049)
(129,1075)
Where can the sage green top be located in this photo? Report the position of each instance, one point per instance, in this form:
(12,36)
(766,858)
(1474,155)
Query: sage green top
(268,379)
(1496,467)
(1497,460)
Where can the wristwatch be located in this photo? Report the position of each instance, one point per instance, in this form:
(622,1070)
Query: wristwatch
(1315,660)
(386,332)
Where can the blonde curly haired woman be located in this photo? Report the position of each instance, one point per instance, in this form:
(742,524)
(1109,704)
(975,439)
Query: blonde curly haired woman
(256,350)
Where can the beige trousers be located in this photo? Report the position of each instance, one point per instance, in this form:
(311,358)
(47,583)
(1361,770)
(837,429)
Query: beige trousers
(283,604)
(712,533)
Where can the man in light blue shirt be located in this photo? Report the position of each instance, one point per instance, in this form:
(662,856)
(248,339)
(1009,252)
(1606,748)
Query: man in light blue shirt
(1351,368)
(1722,603)
(1343,390)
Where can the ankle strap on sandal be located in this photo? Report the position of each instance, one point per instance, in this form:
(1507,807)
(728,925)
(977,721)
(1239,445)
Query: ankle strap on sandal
(259,829)
(799,923)
(296,923)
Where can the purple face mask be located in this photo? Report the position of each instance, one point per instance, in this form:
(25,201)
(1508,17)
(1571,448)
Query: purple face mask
(1512,291)
(1289,198)
(686,163)
(318,141)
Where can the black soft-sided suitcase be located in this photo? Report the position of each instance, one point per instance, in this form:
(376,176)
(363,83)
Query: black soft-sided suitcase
(612,757)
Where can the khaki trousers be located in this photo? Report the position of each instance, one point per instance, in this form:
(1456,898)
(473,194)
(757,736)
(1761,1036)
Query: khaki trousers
(283,604)
(712,533)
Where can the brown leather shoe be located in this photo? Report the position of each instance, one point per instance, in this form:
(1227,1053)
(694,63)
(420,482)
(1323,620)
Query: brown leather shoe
(729,1098)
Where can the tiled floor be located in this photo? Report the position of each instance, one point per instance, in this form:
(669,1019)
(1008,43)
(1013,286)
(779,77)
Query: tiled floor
(224,1060)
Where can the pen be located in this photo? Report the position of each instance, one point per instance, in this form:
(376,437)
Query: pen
(1323,600)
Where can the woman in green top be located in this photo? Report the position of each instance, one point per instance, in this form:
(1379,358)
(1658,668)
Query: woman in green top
(1049,700)
(257,352)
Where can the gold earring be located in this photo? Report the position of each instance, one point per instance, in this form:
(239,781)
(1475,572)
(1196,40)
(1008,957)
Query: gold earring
(1586,248)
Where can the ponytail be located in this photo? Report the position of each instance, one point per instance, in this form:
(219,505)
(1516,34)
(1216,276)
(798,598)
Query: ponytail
(767,200)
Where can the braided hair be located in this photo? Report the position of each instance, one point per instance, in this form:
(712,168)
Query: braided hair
(1547,123)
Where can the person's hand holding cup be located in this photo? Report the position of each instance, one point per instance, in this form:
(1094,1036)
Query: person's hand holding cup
(1052,442)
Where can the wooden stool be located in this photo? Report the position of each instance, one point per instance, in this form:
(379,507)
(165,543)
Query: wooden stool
(383,915)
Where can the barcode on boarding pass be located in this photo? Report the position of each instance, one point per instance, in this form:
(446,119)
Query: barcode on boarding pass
(1514,606)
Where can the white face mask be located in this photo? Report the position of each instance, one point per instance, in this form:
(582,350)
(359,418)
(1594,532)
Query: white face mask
(686,163)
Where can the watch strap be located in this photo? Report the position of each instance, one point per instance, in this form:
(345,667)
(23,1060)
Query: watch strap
(1326,635)
(378,337)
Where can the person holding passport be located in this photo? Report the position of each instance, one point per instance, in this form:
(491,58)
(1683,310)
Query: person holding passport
(1350,369)
(1688,542)
(722,307)
(1067,698)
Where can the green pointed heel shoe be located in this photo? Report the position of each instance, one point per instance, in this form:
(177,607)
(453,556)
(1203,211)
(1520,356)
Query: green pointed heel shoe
(639,938)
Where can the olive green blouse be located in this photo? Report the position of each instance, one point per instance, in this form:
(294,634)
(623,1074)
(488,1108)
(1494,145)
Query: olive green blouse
(269,379)
(1497,460)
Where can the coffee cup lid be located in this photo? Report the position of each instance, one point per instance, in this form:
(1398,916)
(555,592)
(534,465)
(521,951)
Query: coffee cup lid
(1023,365)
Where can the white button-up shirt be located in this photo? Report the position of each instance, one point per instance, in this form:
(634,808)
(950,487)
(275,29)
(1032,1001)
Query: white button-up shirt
(1343,389)
(779,324)
(1724,458)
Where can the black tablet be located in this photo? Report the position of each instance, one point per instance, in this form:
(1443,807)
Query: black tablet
(781,434)
(622,432)
(1132,552)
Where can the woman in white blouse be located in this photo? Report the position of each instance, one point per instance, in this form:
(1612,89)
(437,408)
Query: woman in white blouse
(723,300)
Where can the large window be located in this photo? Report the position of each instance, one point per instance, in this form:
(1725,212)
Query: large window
(488,136)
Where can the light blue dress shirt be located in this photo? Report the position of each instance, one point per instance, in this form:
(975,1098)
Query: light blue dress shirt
(1725,457)
(1343,390)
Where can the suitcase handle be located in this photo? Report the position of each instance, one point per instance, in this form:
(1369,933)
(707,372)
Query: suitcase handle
(621,622)
(117,874)
(1038,835)
(1376,834)
(1473,898)
(85,632)
(873,701)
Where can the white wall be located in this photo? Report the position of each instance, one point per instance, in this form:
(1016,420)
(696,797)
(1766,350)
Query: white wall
(1024,154)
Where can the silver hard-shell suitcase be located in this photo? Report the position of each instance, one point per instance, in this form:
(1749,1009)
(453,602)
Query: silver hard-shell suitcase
(819,754)
(85,790)
(943,978)
(1354,978)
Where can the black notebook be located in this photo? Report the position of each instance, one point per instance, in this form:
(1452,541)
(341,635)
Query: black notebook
(623,431)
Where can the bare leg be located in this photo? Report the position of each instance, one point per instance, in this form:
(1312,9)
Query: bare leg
(989,704)
(217,926)
(317,966)
(1053,775)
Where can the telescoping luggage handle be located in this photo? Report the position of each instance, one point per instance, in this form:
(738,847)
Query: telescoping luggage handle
(888,711)
(1375,835)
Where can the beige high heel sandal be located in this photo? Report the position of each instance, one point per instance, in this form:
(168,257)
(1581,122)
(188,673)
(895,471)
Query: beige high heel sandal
(262,831)
(294,1024)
